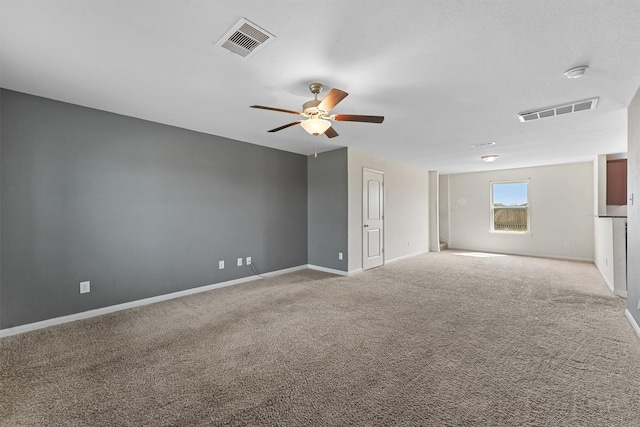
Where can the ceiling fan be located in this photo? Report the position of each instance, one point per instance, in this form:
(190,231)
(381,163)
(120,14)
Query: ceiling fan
(317,115)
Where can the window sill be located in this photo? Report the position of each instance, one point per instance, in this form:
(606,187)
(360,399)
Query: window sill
(511,233)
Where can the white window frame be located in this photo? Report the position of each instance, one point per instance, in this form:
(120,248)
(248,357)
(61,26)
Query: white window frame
(491,213)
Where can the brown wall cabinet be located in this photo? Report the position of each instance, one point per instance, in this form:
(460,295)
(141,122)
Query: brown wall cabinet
(617,182)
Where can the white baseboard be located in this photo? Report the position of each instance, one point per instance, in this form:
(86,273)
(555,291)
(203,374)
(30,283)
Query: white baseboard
(632,321)
(609,285)
(327,270)
(391,261)
(405,257)
(534,255)
(146,301)
(284,271)
(354,272)
(622,294)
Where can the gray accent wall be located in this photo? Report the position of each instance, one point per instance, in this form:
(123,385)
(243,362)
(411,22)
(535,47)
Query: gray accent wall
(137,208)
(328,203)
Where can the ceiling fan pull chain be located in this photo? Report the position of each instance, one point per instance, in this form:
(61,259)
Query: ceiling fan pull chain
(316,150)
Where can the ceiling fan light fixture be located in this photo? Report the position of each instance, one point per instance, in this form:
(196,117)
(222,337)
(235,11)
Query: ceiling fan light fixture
(316,126)
(489,158)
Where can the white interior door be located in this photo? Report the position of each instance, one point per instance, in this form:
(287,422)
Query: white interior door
(372,218)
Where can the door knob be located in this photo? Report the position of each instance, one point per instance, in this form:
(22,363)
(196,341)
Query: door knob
(366,225)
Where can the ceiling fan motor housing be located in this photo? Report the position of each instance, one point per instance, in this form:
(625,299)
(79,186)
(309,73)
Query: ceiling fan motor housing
(310,109)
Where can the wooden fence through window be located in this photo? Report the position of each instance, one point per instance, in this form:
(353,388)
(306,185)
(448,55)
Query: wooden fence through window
(510,218)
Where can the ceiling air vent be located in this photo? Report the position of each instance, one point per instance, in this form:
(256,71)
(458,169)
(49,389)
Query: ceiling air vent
(245,39)
(483,144)
(558,110)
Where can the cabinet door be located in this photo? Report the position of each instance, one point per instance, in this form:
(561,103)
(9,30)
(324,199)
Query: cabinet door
(617,182)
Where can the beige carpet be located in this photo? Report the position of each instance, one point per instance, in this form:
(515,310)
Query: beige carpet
(436,340)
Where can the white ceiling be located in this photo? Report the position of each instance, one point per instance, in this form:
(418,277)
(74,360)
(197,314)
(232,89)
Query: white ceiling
(445,74)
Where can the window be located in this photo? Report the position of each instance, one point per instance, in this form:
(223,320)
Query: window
(510,207)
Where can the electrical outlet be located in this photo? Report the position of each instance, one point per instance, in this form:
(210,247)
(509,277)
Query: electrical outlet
(220,265)
(239,262)
(248,260)
(85,287)
(340,256)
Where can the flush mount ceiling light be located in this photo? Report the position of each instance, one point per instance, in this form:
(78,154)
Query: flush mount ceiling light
(576,72)
(316,126)
(489,158)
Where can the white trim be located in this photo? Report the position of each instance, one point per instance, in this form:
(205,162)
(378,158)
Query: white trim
(620,293)
(566,258)
(354,272)
(609,285)
(364,168)
(284,271)
(383,213)
(632,321)
(407,256)
(327,270)
(492,216)
(138,303)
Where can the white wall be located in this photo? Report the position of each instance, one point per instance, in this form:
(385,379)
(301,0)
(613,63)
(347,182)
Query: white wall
(609,233)
(620,256)
(443,208)
(434,217)
(633,210)
(562,203)
(406,217)
(603,250)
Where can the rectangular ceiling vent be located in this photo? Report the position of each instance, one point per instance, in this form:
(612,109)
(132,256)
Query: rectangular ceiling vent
(245,39)
(587,104)
(483,144)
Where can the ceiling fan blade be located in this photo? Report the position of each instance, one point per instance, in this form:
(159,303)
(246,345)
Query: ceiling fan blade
(284,127)
(331,132)
(357,118)
(262,107)
(332,99)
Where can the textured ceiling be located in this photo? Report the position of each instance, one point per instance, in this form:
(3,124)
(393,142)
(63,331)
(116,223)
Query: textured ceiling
(445,74)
